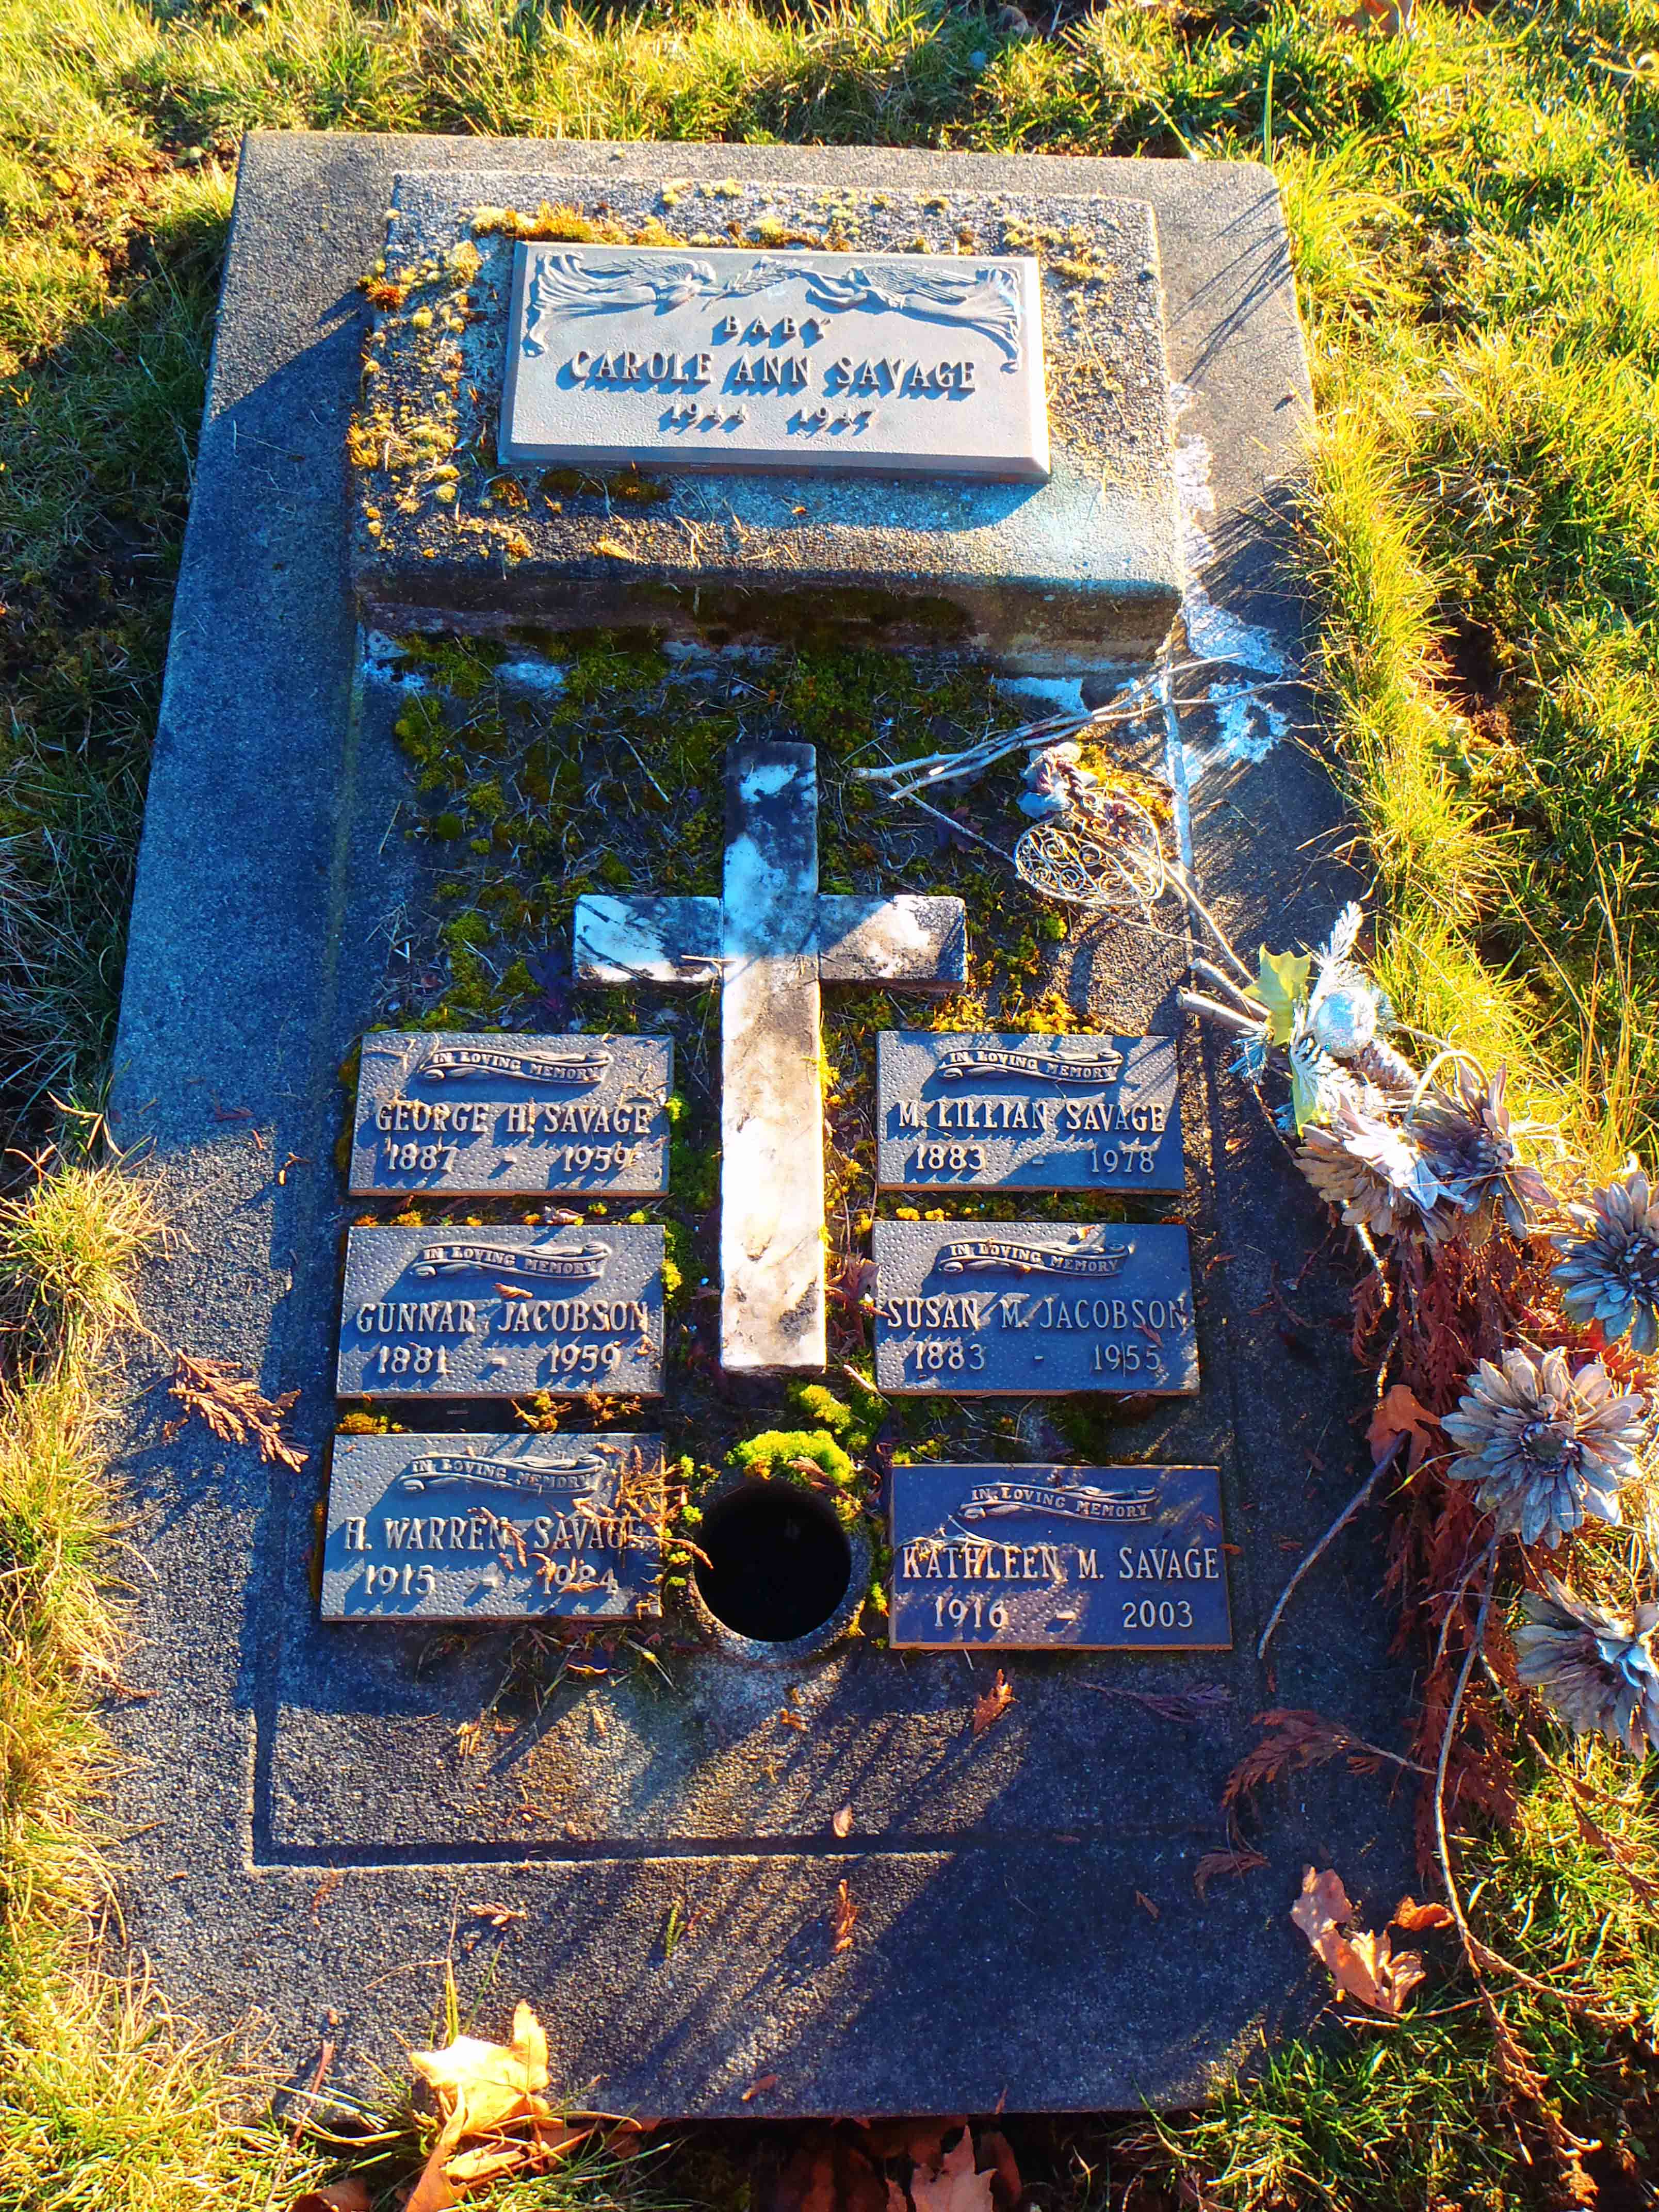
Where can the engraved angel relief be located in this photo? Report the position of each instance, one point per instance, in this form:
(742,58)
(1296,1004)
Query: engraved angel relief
(985,299)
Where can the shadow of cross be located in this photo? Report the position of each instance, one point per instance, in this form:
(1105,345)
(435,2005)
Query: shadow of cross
(768,941)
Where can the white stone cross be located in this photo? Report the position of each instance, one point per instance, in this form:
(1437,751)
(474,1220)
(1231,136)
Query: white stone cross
(768,941)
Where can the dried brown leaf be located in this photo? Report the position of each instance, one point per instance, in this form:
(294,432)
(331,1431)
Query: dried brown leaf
(1295,1739)
(1416,1918)
(1006,2187)
(351,2195)
(760,2087)
(846,1913)
(842,1822)
(235,1408)
(953,2185)
(1399,1414)
(1363,1965)
(1214,1864)
(990,1708)
(480,2086)
(434,2191)
(1614,1849)
(827,2172)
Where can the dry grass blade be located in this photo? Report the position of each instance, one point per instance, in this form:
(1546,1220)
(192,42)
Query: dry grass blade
(235,1408)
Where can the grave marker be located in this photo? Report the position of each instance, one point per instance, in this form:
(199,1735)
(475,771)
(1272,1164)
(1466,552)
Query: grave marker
(449,1312)
(324,1765)
(1004,1110)
(1006,1308)
(768,941)
(1082,1559)
(459,1114)
(652,357)
(475,1527)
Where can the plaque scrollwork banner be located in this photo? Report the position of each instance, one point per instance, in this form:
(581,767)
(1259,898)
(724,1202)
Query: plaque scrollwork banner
(988,301)
(984,1255)
(564,1263)
(532,1478)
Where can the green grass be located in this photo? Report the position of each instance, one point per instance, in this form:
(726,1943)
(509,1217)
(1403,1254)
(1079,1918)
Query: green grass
(1476,226)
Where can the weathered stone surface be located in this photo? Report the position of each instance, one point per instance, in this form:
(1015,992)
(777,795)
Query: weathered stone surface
(920,942)
(767,939)
(485,1527)
(327,1835)
(985,1110)
(1037,1558)
(464,1116)
(771,1111)
(1009,1308)
(1055,576)
(642,939)
(619,356)
(502,1312)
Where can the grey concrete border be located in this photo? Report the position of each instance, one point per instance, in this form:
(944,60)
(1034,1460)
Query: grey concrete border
(241,997)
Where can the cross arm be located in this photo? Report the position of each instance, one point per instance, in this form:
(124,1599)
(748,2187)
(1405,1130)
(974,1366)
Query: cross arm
(647,940)
(921,942)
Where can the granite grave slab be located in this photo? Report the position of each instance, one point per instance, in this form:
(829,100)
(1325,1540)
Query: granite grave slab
(1002,1308)
(1044,1558)
(1081,564)
(647,357)
(470,1527)
(982,1110)
(459,1114)
(330,1835)
(770,940)
(450,1312)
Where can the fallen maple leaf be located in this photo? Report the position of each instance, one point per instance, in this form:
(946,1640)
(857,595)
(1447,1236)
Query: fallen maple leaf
(1399,1414)
(846,1913)
(1363,1965)
(1006,2187)
(1414,1917)
(434,2191)
(953,2185)
(480,2086)
(351,2195)
(993,1706)
(826,2173)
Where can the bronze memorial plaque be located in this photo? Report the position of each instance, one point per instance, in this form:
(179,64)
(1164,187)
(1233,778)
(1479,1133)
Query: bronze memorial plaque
(475,1114)
(1002,1110)
(982,1309)
(449,1312)
(519,1527)
(681,357)
(1038,1559)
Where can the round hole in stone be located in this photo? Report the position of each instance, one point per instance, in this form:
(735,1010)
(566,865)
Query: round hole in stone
(777,1563)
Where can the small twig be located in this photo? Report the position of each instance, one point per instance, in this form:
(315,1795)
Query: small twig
(645,771)
(960,829)
(1184,885)
(1214,975)
(1196,1003)
(1481,1955)
(1307,1559)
